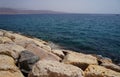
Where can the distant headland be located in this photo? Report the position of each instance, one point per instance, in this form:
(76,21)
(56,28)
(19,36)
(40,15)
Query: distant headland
(19,11)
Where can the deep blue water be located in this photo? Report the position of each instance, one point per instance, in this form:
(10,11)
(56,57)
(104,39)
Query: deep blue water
(97,34)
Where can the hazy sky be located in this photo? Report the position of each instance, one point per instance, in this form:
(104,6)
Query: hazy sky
(74,6)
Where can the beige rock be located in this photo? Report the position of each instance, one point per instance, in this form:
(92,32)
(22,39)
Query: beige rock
(9,35)
(79,59)
(12,50)
(5,40)
(8,67)
(55,69)
(42,53)
(1,33)
(99,71)
(102,59)
(111,66)
(23,40)
(42,44)
(58,52)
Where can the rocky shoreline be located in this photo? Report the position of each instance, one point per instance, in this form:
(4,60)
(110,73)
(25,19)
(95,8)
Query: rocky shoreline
(22,56)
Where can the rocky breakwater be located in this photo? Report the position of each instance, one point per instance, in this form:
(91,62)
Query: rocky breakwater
(21,56)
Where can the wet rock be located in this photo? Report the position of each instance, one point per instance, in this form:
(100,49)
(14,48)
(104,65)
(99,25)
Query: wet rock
(42,53)
(55,69)
(111,66)
(99,71)
(26,61)
(8,67)
(12,50)
(79,59)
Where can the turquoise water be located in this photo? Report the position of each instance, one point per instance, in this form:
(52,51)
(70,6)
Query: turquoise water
(96,34)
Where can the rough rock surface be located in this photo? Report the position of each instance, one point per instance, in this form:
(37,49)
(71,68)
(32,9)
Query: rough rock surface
(12,50)
(5,40)
(55,69)
(111,66)
(1,33)
(42,53)
(27,60)
(58,52)
(8,67)
(79,59)
(99,71)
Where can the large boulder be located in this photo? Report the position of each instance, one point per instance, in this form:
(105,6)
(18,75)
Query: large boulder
(111,66)
(42,53)
(8,67)
(26,61)
(99,71)
(12,50)
(5,40)
(55,69)
(79,59)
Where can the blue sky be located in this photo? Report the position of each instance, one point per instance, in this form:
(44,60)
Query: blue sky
(73,6)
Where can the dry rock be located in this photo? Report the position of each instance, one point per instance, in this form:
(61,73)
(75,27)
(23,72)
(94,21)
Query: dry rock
(55,69)
(12,50)
(99,71)
(111,66)
(79,59)
(8,67)
(5,40)
(42,53)
(1,33)
(58,52)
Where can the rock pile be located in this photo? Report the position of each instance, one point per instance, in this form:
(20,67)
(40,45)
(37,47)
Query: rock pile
(21,56)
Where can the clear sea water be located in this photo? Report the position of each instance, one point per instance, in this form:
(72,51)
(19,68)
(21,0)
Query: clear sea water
(87,33)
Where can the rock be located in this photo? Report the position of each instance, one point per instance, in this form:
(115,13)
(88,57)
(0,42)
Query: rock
(5,40)
(23,43)
(102,59)
(55,69)
(42,53)
(99,71)
(27,60)
(58,52)
(79,59)
(1,33)
(12,50)
(9,35)
(42,44)
(111,66)
(8,67)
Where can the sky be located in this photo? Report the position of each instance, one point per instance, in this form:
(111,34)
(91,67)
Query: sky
(72,6)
